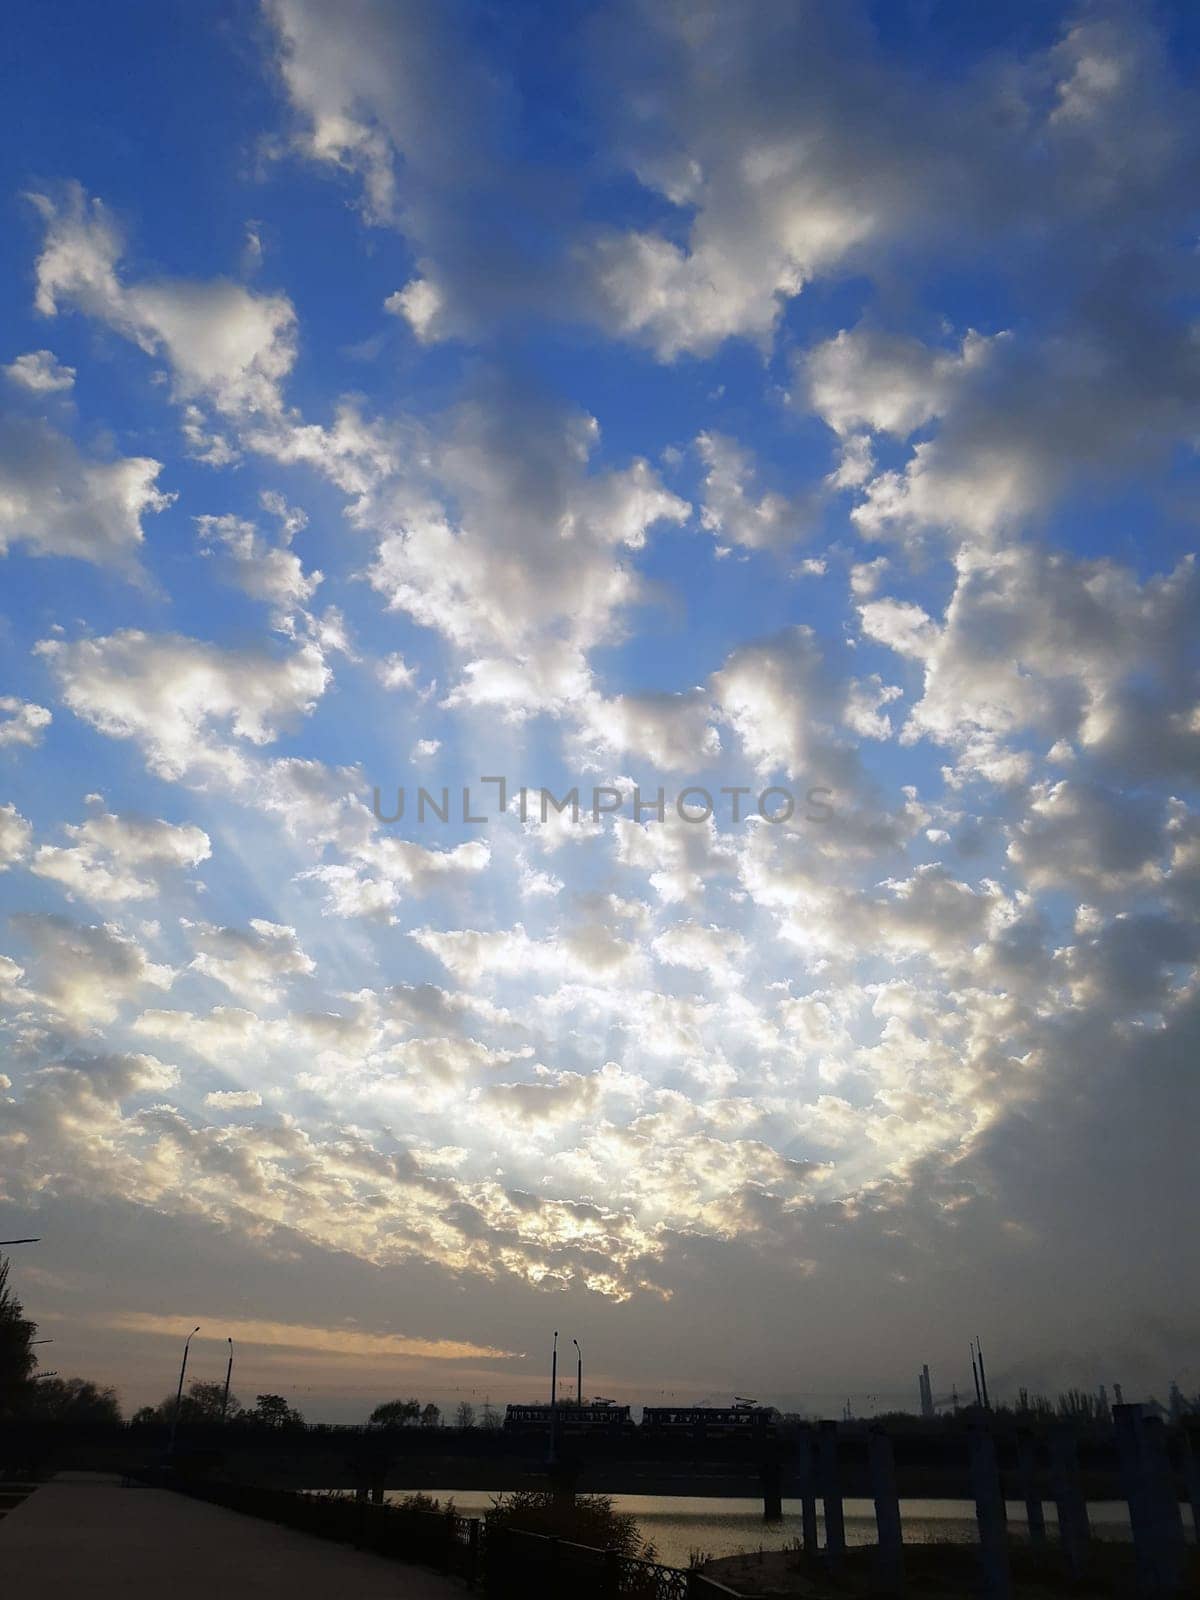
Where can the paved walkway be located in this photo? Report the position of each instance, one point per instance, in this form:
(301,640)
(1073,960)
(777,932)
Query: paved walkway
(83,1534)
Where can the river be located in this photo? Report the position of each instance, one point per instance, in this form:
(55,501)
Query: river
(678,1524)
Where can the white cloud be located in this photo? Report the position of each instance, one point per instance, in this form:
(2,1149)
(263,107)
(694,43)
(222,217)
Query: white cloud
(420,303)
(268,572)
(41,372)
(253,963)
(730,509)
(171,694)
(233,1099)
(589,950)
(779,697)
(884,383)
(225,344)
(117,858)
(394,672)
(672,731)
(15,835)
(86,973)
(1088,838)
(1034,641)
(716,951)
(24,722)
(58,502)
(535,568)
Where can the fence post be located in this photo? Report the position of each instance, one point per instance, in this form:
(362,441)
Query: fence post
(989,1510)
(611,1584)
(473,1527)
(831,1494)
(1073,1529)
(1035,1515)
(887,1511)
(496,1560)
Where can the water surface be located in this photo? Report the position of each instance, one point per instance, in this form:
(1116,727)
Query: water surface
(678,1524)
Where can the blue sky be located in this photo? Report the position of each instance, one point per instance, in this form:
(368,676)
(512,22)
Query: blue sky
(601,396)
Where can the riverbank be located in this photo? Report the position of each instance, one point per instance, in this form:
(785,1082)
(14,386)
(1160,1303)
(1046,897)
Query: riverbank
(83,1533)
(935,1572)
(678,1525)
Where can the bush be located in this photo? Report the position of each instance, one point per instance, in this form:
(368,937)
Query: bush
(591,1519)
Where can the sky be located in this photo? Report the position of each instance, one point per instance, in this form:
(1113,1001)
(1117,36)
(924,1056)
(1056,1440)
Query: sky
(789,411)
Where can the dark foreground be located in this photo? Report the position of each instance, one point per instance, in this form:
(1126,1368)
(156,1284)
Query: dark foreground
(84,1534)
(938,1572)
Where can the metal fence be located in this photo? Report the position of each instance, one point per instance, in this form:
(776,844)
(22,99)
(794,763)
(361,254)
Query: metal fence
(520,1564)
(439,1539)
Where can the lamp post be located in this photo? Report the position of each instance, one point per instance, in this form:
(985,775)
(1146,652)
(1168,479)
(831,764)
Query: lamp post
(554,1396)
(228,1375)
(578,1374)
(179,1391)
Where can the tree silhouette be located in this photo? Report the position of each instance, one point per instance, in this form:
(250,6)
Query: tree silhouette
(395,1413)
(202,1403)
(272,1411)
(73,1400)
(464,1417)
(17,1358)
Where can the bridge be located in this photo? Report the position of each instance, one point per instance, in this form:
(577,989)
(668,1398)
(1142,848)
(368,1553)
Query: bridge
(929,1463)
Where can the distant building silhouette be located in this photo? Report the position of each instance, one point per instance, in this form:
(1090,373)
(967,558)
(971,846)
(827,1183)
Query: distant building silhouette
(926,1391)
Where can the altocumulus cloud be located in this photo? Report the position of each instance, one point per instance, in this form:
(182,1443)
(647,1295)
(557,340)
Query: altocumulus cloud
(847,446)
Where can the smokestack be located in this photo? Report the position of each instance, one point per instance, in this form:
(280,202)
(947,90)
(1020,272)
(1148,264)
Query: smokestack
(987,1404)
(926,1392)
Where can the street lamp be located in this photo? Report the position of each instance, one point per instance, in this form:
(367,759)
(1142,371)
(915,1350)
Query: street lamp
(578,1374)
(228,1375)
(554,1397)
(179,1391)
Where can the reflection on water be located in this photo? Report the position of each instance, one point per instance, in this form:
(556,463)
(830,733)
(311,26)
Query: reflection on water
(678,1524)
